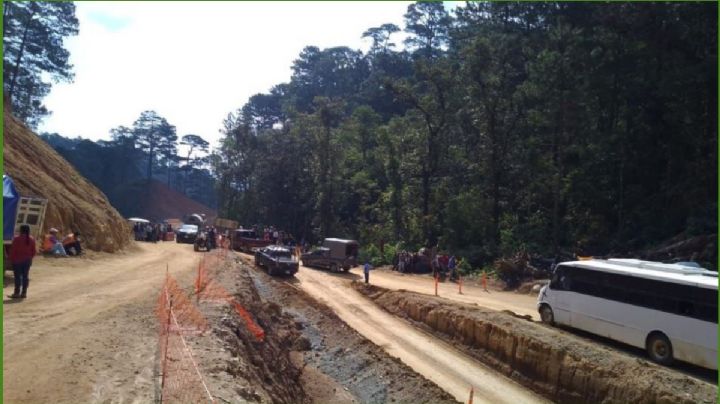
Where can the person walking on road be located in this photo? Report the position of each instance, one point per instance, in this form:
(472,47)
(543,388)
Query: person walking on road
(366,270)
(22,251)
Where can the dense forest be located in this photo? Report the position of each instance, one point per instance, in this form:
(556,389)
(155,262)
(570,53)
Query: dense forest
(504,126)
(499,127)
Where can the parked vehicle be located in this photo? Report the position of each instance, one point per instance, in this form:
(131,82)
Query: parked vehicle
(197,219)
(334,254)
(670,310)
(277,260)
(246,240)
(187,233)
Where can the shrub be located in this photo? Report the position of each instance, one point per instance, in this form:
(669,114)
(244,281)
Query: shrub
(371,253)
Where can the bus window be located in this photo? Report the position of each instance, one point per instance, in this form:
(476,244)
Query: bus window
(555,281)
(561,279)
(686,308)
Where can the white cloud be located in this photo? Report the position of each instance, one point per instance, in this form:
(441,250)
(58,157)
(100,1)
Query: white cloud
(193,62)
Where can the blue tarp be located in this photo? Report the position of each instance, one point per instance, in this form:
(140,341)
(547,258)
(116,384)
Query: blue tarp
(10,205)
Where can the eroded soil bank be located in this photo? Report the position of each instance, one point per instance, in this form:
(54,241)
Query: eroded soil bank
(559,366)
(309,354)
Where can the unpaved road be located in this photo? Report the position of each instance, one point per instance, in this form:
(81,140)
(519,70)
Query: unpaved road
(86,332)
(452,370)
(496,300)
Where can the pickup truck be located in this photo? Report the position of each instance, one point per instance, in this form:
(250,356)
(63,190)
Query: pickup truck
(246,240)
(334,254)
(277,260)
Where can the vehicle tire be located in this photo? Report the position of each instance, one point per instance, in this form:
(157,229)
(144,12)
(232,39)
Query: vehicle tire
(546,314)
(346,269)
(177,240)
(333,268)
(271,271)
(196,248)
(659,348)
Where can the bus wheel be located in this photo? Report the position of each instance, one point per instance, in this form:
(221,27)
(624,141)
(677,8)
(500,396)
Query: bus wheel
(546,314)
(659,348)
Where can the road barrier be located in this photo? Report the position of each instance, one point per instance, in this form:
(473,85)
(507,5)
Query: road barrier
(181,379)
(208,290)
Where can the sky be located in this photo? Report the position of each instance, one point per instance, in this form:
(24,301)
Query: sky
(193,62)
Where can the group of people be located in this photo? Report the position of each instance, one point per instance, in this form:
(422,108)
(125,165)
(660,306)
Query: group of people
(276,236)
(424,260)
(212,237)
(152,232)
(67,246)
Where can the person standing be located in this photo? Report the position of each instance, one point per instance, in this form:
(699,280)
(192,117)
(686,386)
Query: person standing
(366,270)
(22,251)
(451,267)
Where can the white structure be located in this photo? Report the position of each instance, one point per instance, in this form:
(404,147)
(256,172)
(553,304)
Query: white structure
(668,309)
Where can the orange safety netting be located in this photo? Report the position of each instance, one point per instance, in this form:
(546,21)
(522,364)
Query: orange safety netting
(181,380)
(209,290)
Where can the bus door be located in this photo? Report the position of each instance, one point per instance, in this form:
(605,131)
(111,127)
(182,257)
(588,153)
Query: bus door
(560,296)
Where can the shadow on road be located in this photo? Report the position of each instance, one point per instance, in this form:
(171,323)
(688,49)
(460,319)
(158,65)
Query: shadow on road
(347,275)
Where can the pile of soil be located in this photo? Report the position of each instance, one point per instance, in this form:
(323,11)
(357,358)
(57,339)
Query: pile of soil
(73,202)
(558,365)
(156,201)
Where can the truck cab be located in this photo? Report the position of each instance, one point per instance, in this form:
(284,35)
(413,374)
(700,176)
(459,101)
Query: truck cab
(334,254)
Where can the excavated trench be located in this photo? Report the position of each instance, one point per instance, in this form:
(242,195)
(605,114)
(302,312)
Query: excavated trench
(555,364)
(308,354)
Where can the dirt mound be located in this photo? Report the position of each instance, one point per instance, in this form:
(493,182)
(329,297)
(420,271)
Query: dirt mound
(73,202)
(560,366)
(158,202)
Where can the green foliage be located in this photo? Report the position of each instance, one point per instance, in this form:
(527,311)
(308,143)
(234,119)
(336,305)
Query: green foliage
(464,267)
(509,126)
(33,34)
(371,253)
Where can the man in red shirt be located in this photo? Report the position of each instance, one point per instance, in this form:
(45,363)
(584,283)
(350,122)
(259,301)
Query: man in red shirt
(22,251)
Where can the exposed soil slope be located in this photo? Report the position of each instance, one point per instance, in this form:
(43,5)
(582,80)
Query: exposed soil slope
(158,202)
(556,364)
(73,202)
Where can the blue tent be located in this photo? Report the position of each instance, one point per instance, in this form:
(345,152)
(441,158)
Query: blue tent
(10,205)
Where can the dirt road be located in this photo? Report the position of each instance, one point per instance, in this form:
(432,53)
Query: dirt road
(86,332)
(450,369)
(518,303)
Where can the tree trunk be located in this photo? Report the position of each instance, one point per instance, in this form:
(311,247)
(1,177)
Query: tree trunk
(150,161)
(16,67)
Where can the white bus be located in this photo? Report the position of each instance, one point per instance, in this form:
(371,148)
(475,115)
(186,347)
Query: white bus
(668,309)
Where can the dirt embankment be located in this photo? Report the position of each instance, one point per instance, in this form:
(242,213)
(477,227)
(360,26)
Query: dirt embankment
(559,366)
(264,370)
(309,354)
(73,202)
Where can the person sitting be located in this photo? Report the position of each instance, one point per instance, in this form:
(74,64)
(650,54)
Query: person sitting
(71,243)
(52,245)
